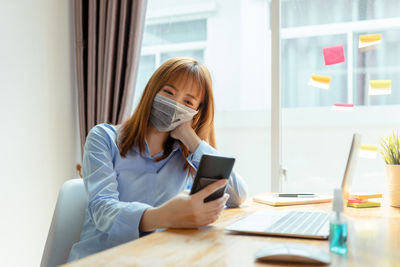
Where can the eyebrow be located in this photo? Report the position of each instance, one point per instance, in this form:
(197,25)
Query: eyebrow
(170,85)
(189,95)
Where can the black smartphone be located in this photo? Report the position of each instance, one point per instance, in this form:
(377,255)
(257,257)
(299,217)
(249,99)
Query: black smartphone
(211,169)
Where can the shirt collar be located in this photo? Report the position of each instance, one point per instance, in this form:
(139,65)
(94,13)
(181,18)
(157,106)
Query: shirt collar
(176,146)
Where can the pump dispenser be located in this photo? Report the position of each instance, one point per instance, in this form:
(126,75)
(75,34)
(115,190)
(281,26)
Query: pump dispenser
(338,225)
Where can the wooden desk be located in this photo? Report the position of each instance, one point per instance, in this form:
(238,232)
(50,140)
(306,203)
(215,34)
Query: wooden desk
(374,240)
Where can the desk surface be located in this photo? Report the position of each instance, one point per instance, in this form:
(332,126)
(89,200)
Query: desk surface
(374,240)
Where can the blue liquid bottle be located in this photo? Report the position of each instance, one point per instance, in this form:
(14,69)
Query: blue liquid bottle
(338,226)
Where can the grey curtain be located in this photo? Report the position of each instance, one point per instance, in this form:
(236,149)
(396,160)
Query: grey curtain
(108,37)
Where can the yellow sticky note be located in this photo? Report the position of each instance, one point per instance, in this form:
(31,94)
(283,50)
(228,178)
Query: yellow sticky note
(380,87)
(320,81)
(368,151)
(380,84)
(368,147)
(368,204)
(369,40)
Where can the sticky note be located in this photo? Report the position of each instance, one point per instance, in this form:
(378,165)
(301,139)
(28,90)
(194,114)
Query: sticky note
(342,106)
(333,55)
(368,147)
(368,151)
(380,87)
(367,204)
(356,200)
(320,81)
(370,38)
(365,195)
(369,41)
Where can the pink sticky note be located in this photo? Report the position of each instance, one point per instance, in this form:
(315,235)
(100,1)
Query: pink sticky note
(347,105)
(333,54)
(342,106)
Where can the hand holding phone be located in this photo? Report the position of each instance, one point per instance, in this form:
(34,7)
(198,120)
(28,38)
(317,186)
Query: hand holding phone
(211,169)
(184,211)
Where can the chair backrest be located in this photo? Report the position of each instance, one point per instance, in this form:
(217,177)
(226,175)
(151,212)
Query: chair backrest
(66,225)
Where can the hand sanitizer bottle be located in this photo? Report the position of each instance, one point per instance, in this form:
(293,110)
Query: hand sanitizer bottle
(338,226)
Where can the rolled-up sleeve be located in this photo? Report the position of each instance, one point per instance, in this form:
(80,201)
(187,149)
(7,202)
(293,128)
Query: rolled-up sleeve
(236,188)
(120,220)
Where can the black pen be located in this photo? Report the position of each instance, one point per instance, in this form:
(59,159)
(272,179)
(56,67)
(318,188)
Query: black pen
(294,195)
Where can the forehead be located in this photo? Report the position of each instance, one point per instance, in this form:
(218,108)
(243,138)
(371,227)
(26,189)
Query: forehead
(189,85)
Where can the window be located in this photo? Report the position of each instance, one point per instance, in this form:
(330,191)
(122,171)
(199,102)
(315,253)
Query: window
(163,41)
(315,139)
(175,32)
(233,39)
(310,25)
(230,37)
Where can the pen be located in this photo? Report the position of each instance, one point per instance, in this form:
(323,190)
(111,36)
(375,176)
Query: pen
(295,195)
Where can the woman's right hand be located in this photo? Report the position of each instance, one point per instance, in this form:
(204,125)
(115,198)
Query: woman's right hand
(190,211)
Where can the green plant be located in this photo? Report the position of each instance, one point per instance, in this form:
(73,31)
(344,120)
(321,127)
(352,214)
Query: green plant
(390,148)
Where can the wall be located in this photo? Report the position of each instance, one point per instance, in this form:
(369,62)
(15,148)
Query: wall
(38,136)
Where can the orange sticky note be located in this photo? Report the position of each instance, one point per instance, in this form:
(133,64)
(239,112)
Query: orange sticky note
(333,55)
(365,195)
(369,41)
(320,81)
(368,38)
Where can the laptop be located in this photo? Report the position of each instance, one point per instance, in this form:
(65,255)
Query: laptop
(304,224)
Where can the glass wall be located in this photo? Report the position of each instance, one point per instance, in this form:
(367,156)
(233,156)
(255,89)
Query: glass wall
(232,37)
(315,138)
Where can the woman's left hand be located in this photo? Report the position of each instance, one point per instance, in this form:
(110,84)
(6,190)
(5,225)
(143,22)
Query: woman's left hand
(186,135)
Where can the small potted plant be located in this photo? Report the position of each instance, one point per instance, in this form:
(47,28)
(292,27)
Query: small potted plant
(390,151)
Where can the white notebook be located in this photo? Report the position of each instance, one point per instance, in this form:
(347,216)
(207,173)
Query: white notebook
(288,201)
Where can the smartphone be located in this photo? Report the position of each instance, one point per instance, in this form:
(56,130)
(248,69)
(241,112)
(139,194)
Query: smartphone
(211,169)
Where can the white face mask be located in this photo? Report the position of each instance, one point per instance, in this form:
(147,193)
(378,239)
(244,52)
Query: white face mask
(167,114)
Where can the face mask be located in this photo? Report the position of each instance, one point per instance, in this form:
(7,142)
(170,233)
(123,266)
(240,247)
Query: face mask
(167,114)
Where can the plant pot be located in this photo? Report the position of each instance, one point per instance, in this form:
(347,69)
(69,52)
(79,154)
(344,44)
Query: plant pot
(393,181)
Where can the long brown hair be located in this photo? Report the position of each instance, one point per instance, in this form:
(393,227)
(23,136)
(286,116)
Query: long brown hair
(133,131)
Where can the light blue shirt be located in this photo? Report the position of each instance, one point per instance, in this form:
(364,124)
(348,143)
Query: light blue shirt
(121,189)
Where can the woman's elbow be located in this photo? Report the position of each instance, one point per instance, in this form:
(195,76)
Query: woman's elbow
(102,214)
(238,199)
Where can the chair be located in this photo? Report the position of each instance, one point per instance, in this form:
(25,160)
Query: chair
(66,224)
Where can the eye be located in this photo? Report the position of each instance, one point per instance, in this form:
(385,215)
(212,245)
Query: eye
(168,91)
(187,102)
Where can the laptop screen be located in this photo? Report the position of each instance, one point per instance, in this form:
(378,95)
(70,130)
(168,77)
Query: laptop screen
(351,164)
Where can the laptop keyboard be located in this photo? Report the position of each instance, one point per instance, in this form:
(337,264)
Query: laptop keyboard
(299,223)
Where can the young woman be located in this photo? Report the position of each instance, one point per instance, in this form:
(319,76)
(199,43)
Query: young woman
(134,172)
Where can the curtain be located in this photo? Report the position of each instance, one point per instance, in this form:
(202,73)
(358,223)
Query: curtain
(108,37)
